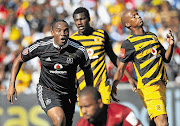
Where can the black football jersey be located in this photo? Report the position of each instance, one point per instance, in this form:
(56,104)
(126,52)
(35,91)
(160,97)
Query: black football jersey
(58,64)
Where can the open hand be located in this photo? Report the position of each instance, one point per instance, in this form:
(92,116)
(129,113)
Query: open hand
(170,38)
(11,91)
(114,93)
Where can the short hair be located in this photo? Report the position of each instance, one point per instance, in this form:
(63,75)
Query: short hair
(59,20)
(82,10)
(90,91)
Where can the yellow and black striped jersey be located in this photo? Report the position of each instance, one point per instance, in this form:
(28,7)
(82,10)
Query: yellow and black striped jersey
(147,55)
(95,44)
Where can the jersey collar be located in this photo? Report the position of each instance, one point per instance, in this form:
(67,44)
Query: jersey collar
(62,47)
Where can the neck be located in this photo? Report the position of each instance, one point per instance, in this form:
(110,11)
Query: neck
(138,31)
(87,31)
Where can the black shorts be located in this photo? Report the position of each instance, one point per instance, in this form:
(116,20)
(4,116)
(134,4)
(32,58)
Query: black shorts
(48,99)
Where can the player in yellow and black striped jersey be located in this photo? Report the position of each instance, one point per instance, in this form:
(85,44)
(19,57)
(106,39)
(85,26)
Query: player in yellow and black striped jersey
(148,56)
(146,52)
(97,44)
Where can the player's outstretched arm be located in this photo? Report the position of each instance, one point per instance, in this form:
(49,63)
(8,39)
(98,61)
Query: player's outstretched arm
(117,77)
(15,69)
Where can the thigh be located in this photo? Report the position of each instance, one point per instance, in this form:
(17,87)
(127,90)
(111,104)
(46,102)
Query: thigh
(47,98)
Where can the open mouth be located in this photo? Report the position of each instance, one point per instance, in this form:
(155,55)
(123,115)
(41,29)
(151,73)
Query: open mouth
(63,39)
(81,28)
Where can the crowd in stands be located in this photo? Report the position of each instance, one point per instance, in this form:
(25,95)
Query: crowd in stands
(22,22)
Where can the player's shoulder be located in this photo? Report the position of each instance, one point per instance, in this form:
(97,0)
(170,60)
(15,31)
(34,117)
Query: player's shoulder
(118,108)
(150,33)
(74,35)
(82,122)
(45,40)
(72,42)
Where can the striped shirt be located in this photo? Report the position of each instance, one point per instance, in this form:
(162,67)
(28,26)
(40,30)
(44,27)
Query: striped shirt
(147,54)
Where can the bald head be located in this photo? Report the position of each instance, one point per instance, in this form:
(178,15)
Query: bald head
(90,91)
(131,18)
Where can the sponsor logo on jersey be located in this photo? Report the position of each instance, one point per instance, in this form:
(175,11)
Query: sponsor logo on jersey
(90,52)
(58,66)
(122,52)
(153,51)
(98,40)
(25,51)
(69,60)
(58,72)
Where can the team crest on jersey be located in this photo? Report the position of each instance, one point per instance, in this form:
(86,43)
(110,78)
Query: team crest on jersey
(158,107)
(25,51)
(153,51)
(154,38)
(69,60)
(48,101)
(98,40)
(58,66)
(90,52)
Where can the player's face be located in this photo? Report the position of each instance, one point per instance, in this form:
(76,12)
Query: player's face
(81,22)
(133,18)
(60,33)
(89,107)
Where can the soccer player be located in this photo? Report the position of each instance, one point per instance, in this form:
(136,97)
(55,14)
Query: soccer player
(97,44)
(95,113)
(59,56)
(148,56)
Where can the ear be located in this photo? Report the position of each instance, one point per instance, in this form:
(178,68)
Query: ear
(52,33)
(127,25)
(100,103)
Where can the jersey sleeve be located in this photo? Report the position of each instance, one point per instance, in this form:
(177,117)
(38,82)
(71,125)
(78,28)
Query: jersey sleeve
(127,52)
(84,58)
(30,52)
(108,43)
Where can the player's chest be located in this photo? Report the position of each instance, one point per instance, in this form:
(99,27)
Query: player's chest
(60,59)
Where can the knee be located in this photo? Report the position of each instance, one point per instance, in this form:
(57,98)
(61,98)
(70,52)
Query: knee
(59,121)
(161,120)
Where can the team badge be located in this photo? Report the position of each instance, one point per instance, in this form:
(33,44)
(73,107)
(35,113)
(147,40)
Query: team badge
(48,101)
(122,52)
(153,51)
(154,38)
(90,52)
(69,60)
(158,107)
(25,51)
(98,40)
(58,66)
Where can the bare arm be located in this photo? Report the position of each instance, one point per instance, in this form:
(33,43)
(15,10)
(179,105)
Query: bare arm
(88,76)
(15,69)
(117,77)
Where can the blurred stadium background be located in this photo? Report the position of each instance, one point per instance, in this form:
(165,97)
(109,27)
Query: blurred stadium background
(24,21)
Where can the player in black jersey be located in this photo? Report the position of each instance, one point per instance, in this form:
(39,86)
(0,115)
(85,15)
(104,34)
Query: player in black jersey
(148,56)
(59,56)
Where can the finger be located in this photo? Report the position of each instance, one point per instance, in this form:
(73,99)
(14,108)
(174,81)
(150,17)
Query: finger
(11,100)
(15,95)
